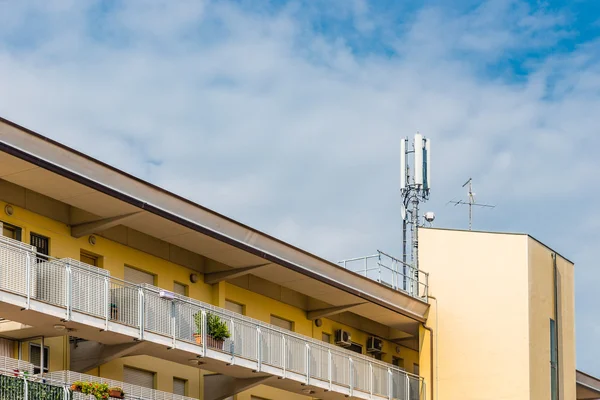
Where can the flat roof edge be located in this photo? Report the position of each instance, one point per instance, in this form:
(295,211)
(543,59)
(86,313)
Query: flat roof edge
(142,204)
(500,233)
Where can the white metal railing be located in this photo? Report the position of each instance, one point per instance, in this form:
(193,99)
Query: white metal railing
(132,392)
(391,272)
(81,289)
(20,384)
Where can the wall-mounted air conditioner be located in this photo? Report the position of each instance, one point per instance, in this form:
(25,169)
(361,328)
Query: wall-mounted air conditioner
(374,345)
(343,338)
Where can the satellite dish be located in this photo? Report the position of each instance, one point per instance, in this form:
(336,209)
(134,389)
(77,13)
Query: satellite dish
(403,212)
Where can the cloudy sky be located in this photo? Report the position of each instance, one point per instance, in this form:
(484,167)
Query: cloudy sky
(287,115)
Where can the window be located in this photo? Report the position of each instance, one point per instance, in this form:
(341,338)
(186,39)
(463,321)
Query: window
(416,369)
(11,231)
(282,323)
(42,245)
(138,377)
(378,356)
(179,386)
(88,258)
(235,307)
(35,357)
(133,275)
(355,347)
(326,337)
(553,360)
(180,288)
(398,362)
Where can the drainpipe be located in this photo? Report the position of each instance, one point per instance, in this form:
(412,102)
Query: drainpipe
(557,323)
(432,348)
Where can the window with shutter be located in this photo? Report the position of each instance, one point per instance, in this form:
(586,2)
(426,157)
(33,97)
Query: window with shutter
(235,307)
(138,377)
(89,259)
(133,275)
(282,323)
(35,357)
(10,231)
(326,337)
(179,386)
(41,244)
(180,288)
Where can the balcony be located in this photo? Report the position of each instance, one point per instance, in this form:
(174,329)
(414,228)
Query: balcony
(16,379)
(391,272)
(109,310)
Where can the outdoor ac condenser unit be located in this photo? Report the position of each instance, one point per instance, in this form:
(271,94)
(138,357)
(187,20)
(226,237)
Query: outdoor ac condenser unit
(343,338)
(374,345)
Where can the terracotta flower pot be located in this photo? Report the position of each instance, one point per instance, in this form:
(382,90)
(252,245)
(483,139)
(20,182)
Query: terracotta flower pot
(116,394)
(210,342)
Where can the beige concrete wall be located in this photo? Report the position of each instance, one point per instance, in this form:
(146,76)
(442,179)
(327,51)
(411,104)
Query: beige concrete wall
(541,310)
(480,281)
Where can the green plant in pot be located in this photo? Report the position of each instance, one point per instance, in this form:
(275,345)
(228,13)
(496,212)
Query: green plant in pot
(216,330)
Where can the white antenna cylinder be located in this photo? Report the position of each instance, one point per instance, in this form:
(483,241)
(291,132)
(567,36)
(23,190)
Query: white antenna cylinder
(427,165)
(403,164)
(419,159)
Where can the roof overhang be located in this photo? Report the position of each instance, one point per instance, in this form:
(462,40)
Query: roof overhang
(588,387)
(37,163)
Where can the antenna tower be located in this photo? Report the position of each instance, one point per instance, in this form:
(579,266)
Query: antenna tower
(471,202)
(414,186)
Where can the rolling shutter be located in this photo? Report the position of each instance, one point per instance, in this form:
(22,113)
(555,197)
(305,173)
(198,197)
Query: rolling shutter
(180,288)
(138,377)
(179,386)
(282,323)
(133,275)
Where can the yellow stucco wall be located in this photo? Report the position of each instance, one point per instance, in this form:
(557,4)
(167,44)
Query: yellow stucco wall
(541,310)
(481,285)
(114,257)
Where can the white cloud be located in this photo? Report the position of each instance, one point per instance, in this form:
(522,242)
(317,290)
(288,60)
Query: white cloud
(290,129)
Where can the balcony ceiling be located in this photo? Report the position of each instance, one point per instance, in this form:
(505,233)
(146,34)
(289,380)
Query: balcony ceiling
(314,277)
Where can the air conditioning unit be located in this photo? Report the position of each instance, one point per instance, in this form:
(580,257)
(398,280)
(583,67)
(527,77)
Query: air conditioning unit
(374,345)
(343,338)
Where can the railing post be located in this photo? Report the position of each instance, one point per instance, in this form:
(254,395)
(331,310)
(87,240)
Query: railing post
(204,329)
(141,309)
(390,384)
(329,369)
(407,391)
(307,353)
(371,379)
(351,376)
(106,302)
(258,348)
(232,346)
(283,353)
(174,321)
(68,287)
(25,388)
(28,279)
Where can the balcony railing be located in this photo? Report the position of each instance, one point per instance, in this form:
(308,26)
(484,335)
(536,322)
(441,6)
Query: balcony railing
(18,383)
(80,291)
(391,272)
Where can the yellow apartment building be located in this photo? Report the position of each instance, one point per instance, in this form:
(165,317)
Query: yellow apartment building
(106,278)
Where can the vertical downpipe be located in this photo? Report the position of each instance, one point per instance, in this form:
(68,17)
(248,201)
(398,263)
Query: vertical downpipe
(557,323)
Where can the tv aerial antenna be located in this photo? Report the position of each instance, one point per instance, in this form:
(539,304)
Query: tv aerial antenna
(470,202)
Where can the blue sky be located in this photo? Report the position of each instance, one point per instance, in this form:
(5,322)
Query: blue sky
(287,115)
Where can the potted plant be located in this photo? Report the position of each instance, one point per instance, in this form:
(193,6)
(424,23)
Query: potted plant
(77,386)
(116,392)
(98,390)
(217,331)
